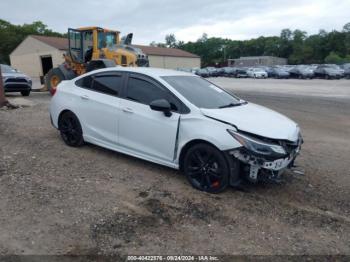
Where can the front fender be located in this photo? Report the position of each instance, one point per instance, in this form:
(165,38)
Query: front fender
(206,129)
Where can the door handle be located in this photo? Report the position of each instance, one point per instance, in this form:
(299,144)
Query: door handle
(127,110)
(85,97)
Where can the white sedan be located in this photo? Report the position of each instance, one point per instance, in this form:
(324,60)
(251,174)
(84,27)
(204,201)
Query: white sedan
(257,73)
(176,119)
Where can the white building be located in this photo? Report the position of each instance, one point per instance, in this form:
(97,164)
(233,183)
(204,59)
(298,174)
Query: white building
(246,61)
(36,55)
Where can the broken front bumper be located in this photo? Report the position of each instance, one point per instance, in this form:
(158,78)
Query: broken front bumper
(255,166)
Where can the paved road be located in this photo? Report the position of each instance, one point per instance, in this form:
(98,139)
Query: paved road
(58,200)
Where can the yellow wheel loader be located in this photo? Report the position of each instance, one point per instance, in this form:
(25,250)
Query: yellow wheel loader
(91,48)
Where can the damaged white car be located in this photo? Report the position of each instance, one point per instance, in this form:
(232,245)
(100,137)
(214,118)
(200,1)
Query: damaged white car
(179,120)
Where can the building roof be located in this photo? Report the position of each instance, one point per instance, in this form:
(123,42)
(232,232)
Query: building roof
(152,71)
(56,42)
(164,51)
(256,57)
(62,44)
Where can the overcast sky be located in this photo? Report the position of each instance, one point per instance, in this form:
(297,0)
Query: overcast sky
(151,20)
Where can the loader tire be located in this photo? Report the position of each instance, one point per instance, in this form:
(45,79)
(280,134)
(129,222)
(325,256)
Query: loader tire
(53,78)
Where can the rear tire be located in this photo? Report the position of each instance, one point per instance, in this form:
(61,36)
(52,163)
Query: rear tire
(70,129)
(25,93)
(53,78)
(206,168)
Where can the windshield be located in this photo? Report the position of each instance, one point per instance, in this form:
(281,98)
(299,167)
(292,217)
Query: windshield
(302,67)
(329,67)
(334,67)
(279,70)
(107,39)
(7,69)
(201,92)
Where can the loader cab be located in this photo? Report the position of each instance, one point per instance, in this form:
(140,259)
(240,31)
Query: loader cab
(107,40)
(86,44)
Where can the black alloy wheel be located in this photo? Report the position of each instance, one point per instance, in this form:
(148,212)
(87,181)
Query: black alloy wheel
(70,129)
(206,168)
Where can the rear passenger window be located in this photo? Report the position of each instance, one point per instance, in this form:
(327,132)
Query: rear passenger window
(107,84)
(110,85)
(84,82)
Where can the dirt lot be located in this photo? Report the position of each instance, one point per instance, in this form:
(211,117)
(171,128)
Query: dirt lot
(61,200)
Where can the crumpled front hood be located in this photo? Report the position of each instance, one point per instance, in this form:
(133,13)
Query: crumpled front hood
(257,120)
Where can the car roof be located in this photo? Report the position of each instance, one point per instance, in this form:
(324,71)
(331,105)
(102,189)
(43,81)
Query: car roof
(151,71)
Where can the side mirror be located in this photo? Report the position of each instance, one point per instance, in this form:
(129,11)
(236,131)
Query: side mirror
(161,105)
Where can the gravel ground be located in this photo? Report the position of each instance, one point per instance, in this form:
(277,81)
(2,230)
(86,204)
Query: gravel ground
(61,200)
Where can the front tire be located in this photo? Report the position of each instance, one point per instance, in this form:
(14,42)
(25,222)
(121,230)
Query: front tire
(53,78)
(70,129)
(206,168)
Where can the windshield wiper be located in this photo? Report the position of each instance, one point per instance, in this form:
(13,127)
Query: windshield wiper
(233,104)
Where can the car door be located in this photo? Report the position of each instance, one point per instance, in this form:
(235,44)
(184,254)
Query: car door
(99,106)
(319,71)
(142,130)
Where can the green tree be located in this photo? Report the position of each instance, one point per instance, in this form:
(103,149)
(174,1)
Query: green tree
(333,58)
(12,35)
(170,41)
(346,28)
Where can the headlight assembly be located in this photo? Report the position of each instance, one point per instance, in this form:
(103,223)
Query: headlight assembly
(258,146)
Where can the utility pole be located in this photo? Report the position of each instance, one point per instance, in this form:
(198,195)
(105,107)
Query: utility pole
(224,51)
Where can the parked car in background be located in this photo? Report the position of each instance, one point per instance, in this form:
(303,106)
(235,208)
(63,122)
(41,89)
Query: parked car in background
(287,67)
(229,71)
(184,69)
(328,72)
(347,73)
(203,72)
(220,71)
(213,72)
(256,72)
(187,69)
(279,72)
(338,68)
(241,73)
(15,81)
(268,70)
(346,68)
(301,72)
(178,120)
